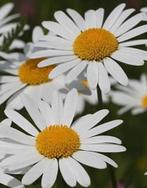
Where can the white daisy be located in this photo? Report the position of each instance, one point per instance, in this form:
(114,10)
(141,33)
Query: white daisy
(133,97)
(93,45)
(144,10)
(57,143)
(25,77)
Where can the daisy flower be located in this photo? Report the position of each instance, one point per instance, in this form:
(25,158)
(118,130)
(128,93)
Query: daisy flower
(56,142)
(144,10)
(25,77)
(133,97)
(93,45)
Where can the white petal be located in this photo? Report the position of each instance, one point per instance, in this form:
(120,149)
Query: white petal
(21,122)
(133,43)
(58,29)
(99,17)
(5,10)
(50,53)
(66,22)
(101,139)
(90,19)
(66,171)
(33,111)
(125,14)
(50,173)
(11,91)
(105,148)
(114,15)
(56,60)
(77,18)
(103,78)
(21,160)
(80,173)
(17,136)
(89,159)
(69,107)
(129,24)
(10,181)
(75,72)
(89,121)
(37,34)
(92,75)
(46,113)
(104,127)
(60,69)
(133,33)
(116,71)
(126,57)
(5,79)
(34,173)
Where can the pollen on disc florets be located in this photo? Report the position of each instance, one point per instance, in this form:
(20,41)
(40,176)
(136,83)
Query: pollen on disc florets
(95,44)
(57,141)
(144,101)
(30,74)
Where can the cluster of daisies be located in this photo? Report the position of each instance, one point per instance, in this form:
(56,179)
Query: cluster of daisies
(52,80)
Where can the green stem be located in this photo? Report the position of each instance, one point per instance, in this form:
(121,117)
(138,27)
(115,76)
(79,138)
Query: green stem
(111,169)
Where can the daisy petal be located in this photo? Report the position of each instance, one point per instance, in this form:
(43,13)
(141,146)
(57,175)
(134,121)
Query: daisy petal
(103,128)
(113,16)
(129,24)
(89,159)
(90,19)
(77,18)
(34,173)
(133,43)
(99,17)
(33,111)
(92,75)
(50,173)
(76,71)
(21,122)
(116,71)
(103,78)
(133,33)
(58,29)
(60,69)
(126,57)
(66,22)
(69,107)
(55,60)
(80,173)
(65,168)
(105,148)
(101,139)
(125,14)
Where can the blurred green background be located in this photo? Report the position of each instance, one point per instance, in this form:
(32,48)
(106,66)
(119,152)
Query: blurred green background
(133,132)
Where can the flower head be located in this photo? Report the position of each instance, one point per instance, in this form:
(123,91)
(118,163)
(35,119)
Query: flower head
(133,97)
(58,142)
(92,45)
(25,77)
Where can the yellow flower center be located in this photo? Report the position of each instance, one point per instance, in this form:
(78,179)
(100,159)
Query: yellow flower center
(30,74)
(57,141)
(144,101)
(95,44)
